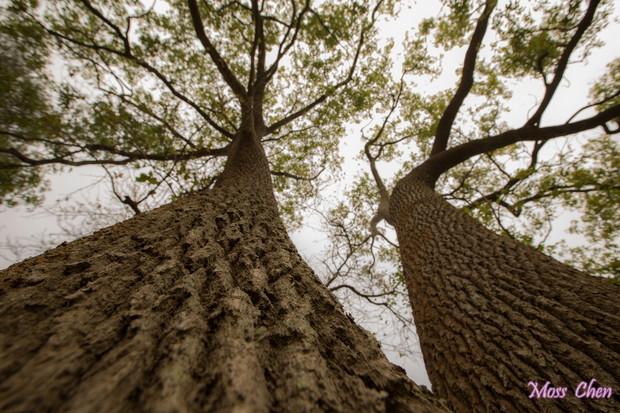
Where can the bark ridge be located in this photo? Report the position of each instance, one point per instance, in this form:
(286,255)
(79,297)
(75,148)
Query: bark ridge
(493,314)
(200,305)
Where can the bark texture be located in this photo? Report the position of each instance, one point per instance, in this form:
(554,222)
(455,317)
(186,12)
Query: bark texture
(494,315)
(200,305)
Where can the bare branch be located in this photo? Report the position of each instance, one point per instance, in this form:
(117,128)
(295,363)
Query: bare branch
(356,291)
(505,230)
(600,102)
(555,190)
(383,193)
(127,199)
(495,196)
(383,211)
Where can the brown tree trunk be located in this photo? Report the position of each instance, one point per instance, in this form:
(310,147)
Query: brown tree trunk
(494,315)
(201,305)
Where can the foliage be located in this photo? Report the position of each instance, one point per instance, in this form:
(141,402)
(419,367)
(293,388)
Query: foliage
(24,109)
(136,86)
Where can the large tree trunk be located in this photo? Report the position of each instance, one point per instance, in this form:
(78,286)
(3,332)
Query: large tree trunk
(200,305)
(494,315)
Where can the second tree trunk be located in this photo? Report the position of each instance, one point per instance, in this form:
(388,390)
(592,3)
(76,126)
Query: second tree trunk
(494,315)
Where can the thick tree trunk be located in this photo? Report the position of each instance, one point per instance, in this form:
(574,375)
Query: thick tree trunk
(494,315)
(200,305)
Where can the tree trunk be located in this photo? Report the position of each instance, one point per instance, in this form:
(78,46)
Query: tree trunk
(200,305)
(494,315)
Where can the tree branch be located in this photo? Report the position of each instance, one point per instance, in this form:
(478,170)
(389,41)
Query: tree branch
(149,68)
(277,125)
(297,177)
(558,190)
(443,161)
(356,291)
(444,127)
(550,90)
(383,193)
(259,33)
(221,65)
(129,156)
(288,119)
(383,211)
(600,102)
(514,180)
(282,49)
(57,160)
(199,153)
(114,27)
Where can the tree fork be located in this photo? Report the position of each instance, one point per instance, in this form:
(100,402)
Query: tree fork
(200,305)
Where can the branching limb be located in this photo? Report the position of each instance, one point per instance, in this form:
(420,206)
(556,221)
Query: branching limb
(365,295)
(288,119)
(119,33)
(288,133)
(512,182)
(129,156)
(383,212)
(556,190)
(449,158)
(297,177)
(177,156)
(221,65)
(462,181)
(259,38)
(498,219)
(127,200)
(284,47)
(444,127)
(516,208)
(148,67)
(552,87)
(144,109)
(132,204)
(600,102)
(62,160)
(332,89)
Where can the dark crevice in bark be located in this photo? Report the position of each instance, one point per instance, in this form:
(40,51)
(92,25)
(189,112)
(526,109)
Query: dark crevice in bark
(200,305)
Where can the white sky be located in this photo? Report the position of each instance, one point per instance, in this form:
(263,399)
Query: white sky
(19,224)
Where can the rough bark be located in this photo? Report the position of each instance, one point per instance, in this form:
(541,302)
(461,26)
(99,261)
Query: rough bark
(494,315)
(201,305)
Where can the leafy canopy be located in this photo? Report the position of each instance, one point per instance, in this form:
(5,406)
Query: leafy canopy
(163,88)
